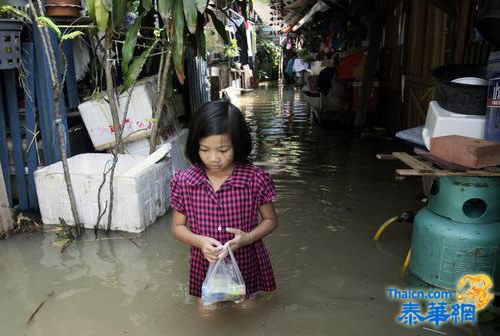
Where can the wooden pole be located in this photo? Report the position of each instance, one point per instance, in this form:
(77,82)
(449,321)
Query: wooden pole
(6,219)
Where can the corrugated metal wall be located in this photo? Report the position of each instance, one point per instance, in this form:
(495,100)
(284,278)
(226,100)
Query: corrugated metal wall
(196,78)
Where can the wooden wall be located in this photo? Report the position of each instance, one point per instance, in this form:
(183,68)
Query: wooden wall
(435,33)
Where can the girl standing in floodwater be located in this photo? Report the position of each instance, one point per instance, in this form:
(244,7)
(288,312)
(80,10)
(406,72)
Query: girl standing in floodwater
(219,199)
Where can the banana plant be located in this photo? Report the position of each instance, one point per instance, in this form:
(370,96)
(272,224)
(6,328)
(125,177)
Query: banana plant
(178,19)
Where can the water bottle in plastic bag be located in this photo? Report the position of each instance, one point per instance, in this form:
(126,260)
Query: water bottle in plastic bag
(223,281)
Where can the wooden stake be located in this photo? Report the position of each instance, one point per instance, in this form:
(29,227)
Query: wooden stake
(6,220)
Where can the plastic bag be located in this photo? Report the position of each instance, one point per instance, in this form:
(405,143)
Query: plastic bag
(223,281)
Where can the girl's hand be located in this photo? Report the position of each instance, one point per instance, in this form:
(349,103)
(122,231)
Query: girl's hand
(241,238)
(210,248)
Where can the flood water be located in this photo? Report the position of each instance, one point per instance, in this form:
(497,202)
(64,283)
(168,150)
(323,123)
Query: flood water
(331,276)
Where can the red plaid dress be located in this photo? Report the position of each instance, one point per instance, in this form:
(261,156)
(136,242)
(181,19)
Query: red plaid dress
(234,205)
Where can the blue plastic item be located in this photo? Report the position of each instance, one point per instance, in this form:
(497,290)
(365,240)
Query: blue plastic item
(492,123)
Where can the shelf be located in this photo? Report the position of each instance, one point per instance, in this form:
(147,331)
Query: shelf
(427,165)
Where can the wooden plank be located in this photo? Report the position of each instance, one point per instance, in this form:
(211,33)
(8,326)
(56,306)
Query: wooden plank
(412,37)
(4,152)
(445,6)
(29,102)
(468,173)
(440,38)
(417,34)
(44,99)
(421,115)
(462,32)
(429,41)
(385,157)
(62,102)
(413,162)
(6,220)
(70,75)
(9,78)
(438,163)
(418,81)
(421,36)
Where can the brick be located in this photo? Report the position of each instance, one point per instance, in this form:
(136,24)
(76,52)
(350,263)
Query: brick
(465,151)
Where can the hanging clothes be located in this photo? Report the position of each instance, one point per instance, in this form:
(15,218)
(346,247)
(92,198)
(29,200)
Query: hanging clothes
(300,65)
(241,37)
(289,67)
(251,54)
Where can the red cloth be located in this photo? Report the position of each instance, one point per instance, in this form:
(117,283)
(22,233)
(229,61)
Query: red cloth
(348,63)
(234,205)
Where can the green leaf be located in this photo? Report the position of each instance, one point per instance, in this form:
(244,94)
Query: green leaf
(178,47)
(191,14)
(119,11)
(147,4)
(44,21)
(71,35)
(130,43)
(178,58)
(165,8)
(136,67)
(108,4)
(101,15)
(91,9)
(201,5)
(219,26)
(9,9)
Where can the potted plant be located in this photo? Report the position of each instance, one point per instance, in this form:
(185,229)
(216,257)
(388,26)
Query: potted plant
(10,37)
(231,51)
(63,8)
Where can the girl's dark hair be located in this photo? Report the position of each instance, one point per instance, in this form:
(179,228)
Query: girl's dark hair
(219,117)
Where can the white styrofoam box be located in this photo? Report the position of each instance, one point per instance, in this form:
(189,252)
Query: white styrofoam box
(316,67)
(214,71)
(441,122)
(139,147)
(140,186)
(96,115)
(178,150)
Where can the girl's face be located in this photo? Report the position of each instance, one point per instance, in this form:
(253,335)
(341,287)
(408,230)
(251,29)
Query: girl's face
(217,153)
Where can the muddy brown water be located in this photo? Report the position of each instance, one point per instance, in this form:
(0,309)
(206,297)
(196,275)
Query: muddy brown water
(331,277)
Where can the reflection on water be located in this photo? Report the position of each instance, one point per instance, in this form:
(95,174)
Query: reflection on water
(332,196)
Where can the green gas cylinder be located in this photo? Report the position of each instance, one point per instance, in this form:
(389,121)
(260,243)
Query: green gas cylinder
(457,233)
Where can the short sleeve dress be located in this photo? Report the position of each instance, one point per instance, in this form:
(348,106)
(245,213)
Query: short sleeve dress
(235,205)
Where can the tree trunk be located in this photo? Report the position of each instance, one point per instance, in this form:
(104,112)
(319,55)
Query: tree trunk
(56,93)
(160,100)
(111,89)
(64,160)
